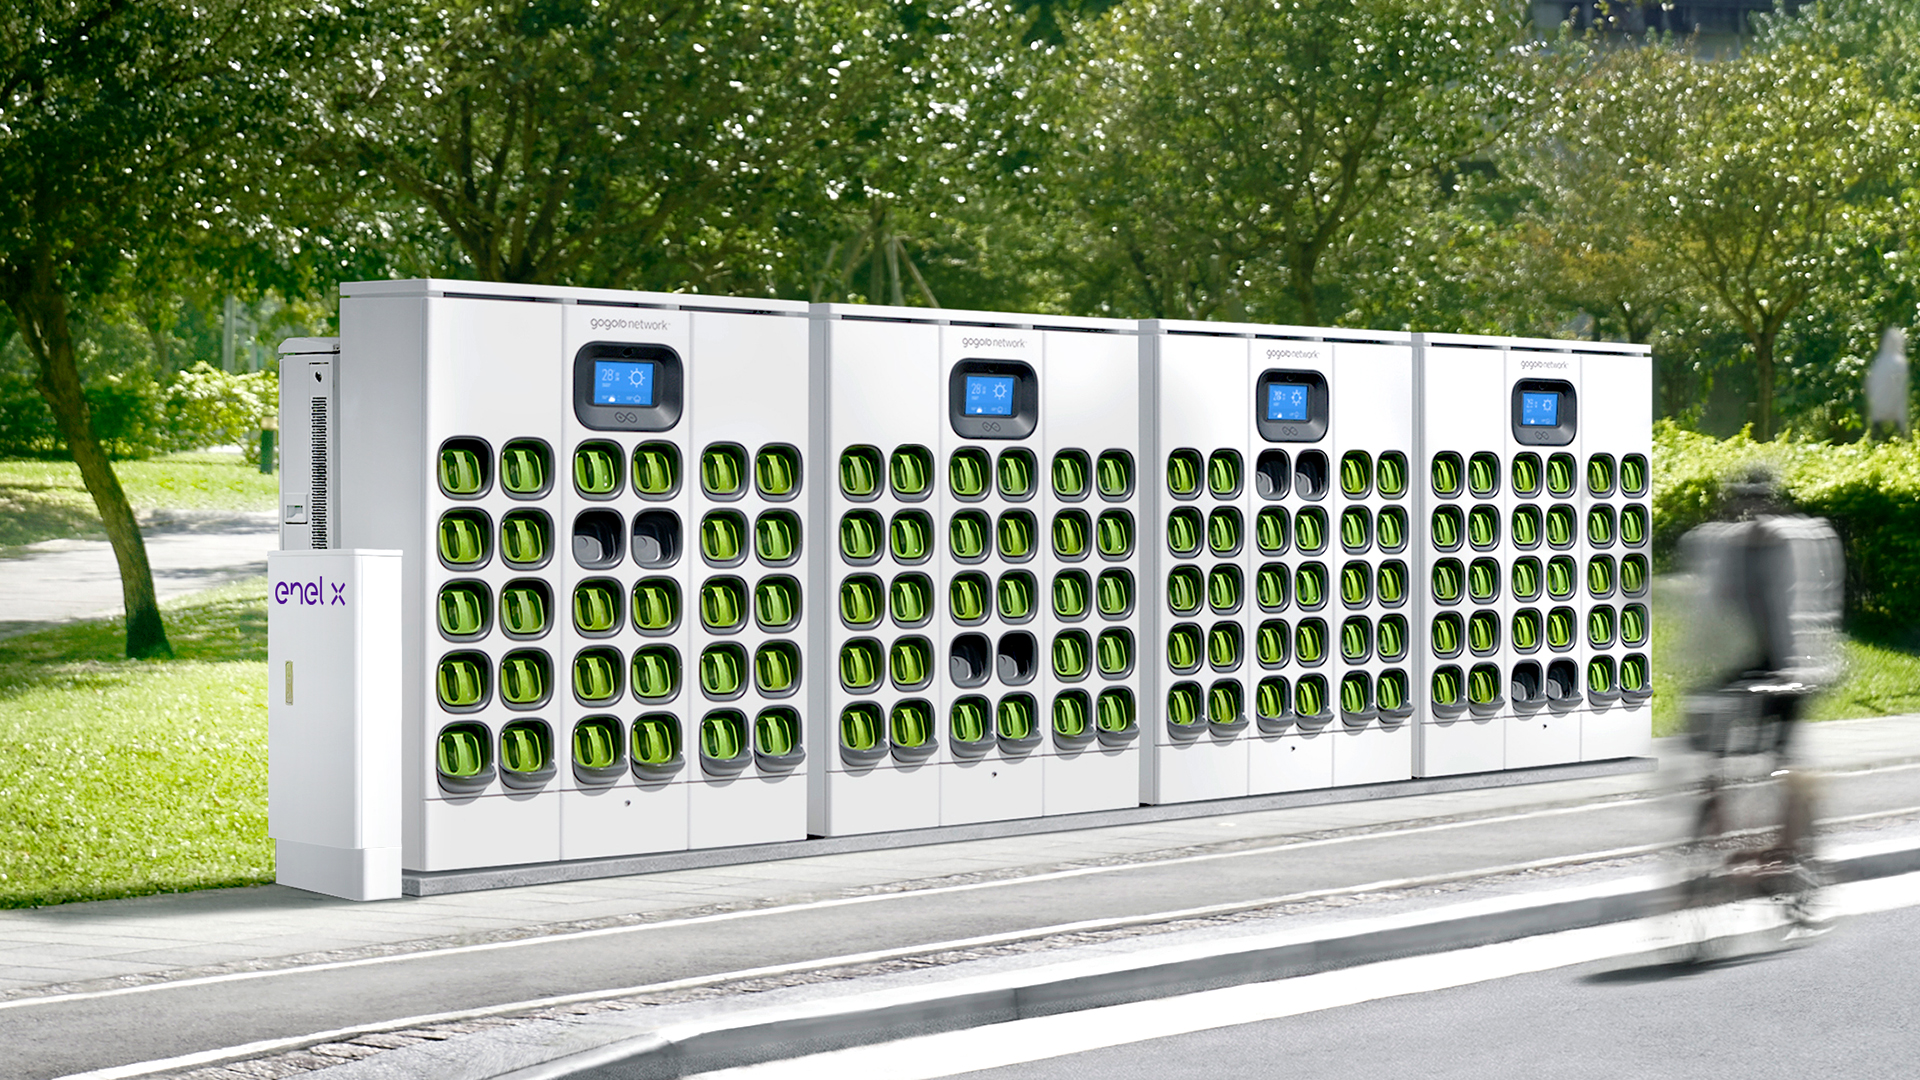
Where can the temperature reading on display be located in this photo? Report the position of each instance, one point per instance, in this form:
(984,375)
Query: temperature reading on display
(1539,409)
(1287,401)
(622,383)
(989,395)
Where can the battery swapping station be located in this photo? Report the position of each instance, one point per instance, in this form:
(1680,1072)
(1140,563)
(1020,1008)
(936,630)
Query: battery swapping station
(1535,557)
(982,615)
(1279,578)
(594,563)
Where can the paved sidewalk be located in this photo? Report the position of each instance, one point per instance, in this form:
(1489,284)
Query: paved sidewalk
(169,937)
(57,581)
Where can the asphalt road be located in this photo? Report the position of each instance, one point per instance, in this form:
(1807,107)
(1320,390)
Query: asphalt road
(1845,1006)
(59,1036)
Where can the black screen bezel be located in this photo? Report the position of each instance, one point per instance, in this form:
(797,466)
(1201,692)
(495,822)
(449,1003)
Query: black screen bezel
(1313,428)
(1559,434)
(668,388)
(1026,401)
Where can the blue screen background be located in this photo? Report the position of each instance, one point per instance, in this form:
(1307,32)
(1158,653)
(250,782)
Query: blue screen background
(1539,410)
(989,395)
(1286,401)
(617,382)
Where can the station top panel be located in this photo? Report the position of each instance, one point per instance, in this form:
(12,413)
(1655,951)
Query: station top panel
(1276,330)
(951,317)
(1562,345)
(496,290)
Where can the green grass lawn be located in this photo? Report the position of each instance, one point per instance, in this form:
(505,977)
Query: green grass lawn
(123,777)
(45,500)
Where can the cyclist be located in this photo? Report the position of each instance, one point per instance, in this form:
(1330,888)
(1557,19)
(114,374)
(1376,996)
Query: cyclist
(1765,640)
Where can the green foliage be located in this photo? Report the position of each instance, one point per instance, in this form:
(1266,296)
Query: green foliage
(1870,491)
(209,407)
(135,416)
(124,777)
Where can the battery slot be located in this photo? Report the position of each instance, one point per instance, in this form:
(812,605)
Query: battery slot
(1526,686)
(969,660)
(1016,724)
(1017,658)
(778,745)
(1563,684)
(656,539)
(1273,474)
(1114,717)
(1072,720)
(656,747)
(526,755)
(969,730)
(726,747)
(599,752)
(910,731)
(596,539)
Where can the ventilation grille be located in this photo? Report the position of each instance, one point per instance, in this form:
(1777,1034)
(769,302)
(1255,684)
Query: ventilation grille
(317,501)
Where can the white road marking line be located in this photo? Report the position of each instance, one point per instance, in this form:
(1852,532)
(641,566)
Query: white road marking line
(1021,1041)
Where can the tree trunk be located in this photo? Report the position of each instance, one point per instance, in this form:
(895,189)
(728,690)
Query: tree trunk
(42,315)
(1300,282)
(1763,364)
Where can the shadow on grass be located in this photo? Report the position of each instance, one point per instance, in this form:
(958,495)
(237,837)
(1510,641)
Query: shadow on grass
(30,513)
(217,626)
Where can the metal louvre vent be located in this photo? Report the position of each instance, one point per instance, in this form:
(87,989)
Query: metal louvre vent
(317,502)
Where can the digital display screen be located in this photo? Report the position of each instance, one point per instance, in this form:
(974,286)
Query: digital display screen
(989,395)
(1539,409)
(1287,401)
(622,382)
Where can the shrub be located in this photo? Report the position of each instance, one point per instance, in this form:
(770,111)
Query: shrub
(137,417)
(209,407)
(1870,491)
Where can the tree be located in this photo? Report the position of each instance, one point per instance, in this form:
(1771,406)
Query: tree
(620,143)
(1211,148)
(121,123)
(1771,172)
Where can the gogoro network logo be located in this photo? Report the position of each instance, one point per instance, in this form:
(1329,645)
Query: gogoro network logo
(1551,365)
(316,593)
(629,324)
(1293,354)
(993,343)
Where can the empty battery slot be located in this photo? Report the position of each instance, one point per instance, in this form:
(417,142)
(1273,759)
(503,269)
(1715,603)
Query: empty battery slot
(1310,475)
(656,470)
(1526,686)
(1016,658)
(970,660)
(596,538)
(1273,474)
(1563,682)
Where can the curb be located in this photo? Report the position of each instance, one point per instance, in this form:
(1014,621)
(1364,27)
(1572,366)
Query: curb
(816,1027)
